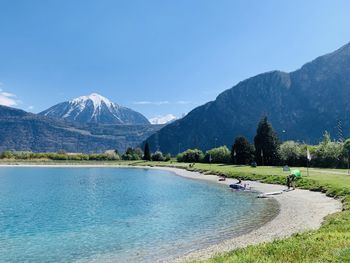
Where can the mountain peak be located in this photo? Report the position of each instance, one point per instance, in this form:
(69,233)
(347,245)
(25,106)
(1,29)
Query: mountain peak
(95,108)
(96,99)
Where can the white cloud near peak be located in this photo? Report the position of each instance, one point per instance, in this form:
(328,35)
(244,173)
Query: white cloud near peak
(8,99)
(7,94)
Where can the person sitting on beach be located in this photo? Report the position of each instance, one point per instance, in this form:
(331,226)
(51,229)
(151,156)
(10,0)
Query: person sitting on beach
(222,178)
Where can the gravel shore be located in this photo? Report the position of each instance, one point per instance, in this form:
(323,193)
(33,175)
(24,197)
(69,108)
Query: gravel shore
(300,210)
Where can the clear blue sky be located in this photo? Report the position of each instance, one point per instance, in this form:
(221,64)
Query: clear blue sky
(157,57)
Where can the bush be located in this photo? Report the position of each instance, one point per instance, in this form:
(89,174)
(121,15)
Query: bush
(328,153)
(103,157)
(132,154)
(167,157)
(7,155)
(157,156)
(218,155)
(191,156)
(130,157)
(291,153)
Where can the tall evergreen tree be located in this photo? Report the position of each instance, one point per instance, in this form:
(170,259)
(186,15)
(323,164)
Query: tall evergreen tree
(147,152)
(242,151)
(266,144)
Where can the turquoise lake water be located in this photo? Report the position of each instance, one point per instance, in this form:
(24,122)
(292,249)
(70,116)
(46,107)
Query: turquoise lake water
(117,214)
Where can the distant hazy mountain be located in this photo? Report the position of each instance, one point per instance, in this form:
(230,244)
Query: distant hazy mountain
(163,119)
(303,103)
(23,131)
(94,109)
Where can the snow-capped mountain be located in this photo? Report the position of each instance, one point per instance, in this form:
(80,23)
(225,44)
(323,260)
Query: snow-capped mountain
(94,109)
(163,119)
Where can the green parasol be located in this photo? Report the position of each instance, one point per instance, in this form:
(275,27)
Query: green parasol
(296,173)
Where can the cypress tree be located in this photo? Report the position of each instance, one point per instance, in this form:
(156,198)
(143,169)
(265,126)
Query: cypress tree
(147,152)
(242,151)
(266,144)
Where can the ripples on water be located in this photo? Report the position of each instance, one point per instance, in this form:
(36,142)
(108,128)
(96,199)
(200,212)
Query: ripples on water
(117,215)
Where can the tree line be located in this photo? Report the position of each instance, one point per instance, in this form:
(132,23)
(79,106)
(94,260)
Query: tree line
(264,151)
(268,150)
(131,154)
(60,156)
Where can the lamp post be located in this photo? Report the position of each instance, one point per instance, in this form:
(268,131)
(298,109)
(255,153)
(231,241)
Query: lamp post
(349,162)
(215,142)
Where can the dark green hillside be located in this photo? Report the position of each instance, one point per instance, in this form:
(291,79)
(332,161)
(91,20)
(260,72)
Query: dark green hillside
(304,103)
(22,131)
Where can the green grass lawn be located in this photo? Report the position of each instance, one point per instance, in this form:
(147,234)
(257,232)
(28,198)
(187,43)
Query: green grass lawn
(331,243)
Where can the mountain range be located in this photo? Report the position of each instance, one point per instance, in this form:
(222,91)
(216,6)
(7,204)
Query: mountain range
(301,105)
(99,126)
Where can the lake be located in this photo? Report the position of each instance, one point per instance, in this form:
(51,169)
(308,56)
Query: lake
(117,214)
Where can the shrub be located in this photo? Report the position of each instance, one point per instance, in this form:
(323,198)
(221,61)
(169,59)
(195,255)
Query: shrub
(7,155)
(157,156)
(328,154)
(218,155)
(167,157)
(291,153)
(191,156)
(132,154)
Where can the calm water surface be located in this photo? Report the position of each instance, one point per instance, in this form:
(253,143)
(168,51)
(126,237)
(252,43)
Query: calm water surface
(117,214)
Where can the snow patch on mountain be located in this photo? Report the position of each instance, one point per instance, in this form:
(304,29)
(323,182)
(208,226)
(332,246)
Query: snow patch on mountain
(163,119)
(96,99)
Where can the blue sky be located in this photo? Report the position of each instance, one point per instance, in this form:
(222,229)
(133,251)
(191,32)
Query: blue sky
(157,57)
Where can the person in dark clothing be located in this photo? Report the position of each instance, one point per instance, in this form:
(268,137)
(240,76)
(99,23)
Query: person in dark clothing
(291,181)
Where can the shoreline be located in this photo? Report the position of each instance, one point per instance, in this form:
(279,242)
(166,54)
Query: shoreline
(300,210)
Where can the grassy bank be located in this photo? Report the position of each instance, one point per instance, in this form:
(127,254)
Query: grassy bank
(331,243)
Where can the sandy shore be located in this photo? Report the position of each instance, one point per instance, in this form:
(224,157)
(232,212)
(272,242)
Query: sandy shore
(300,210)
